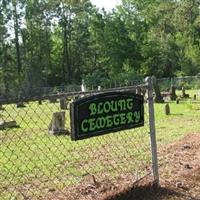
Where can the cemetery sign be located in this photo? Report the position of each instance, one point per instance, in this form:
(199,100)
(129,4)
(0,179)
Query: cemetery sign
(105,113)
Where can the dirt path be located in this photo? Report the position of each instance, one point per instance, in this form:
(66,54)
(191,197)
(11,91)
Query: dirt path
(179,174)
(179,178)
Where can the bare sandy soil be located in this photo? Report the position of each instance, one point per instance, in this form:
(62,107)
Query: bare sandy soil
(179,178)
(179,174)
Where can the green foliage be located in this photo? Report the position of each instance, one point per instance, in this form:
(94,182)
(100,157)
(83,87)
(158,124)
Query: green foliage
(62,42)
(97,78)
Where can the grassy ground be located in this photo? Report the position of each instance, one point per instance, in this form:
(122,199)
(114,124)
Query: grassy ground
(32,161)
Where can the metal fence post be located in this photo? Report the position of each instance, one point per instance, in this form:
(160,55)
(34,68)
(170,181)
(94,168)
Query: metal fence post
(152,129)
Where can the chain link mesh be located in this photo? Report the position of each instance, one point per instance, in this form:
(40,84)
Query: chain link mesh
(36,165)
(188,82)
(183,118)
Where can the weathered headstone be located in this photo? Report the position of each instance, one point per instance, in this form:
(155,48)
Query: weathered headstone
(57,124)
(99,88)
(173,95)
(83,87)
(167,109)
(40,102)
(158,96)
(20,105)
(11,124)
(63,103)
(184,95)
(195,97)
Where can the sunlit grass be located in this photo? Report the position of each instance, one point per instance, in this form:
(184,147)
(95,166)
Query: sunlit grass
(29,154)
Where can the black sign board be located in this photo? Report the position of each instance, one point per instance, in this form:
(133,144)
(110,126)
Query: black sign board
(105,113)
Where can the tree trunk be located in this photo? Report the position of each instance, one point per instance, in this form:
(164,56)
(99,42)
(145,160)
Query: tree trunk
(48,62)
(69,63)
(66,59)
(66,66)
(17,47)
(64,53)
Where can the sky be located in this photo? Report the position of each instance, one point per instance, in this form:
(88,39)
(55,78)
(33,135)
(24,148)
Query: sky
(107,4)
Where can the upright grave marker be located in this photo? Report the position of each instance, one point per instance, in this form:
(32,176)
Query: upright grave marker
(105,113)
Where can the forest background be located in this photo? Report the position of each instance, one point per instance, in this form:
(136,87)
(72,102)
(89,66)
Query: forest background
(48,43)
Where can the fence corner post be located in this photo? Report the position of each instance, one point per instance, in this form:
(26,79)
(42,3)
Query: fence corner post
(149,83)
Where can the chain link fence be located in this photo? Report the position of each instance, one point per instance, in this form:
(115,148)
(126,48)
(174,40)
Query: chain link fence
(183,119)
(35,164)
(188,82)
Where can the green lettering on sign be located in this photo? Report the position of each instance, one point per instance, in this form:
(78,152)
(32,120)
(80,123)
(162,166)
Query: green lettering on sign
(93,109)
(104,113)
(84,126)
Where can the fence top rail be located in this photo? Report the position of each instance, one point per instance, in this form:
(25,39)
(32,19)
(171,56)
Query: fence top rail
(178,78)
(7,100)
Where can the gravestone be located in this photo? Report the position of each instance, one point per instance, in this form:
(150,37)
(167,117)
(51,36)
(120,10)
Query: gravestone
(20,105)
(158,96)
(167,109)
(1,107)
(57,124)
(40,101)
(83,87)
(99,88)
(173,95)
(63,103)
(184,95)
(11,124)
(195,97)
